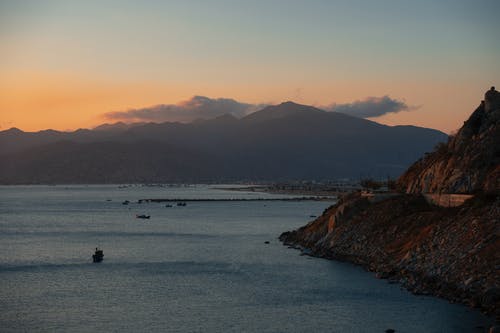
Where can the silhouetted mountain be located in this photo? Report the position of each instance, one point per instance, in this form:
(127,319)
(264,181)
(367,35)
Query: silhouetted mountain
(15,140)
(119,126)
(282,142)
(282,110)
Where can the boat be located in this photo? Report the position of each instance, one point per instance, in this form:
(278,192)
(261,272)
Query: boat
(98,256)
(181,204)
(143,216)
(126,202)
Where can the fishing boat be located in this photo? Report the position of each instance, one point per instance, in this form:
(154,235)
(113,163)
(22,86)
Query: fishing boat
(98,256)
(143,216)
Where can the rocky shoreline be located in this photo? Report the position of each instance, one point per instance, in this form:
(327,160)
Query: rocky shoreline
(446,252)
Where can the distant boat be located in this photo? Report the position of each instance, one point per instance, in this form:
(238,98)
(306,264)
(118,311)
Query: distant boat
(168,205)
(143,216)
(98,256)
(126,202)
(181,204)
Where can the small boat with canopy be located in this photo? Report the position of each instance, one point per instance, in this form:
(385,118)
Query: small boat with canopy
(98,256)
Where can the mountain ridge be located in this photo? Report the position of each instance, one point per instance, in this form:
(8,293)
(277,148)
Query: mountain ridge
(284,142)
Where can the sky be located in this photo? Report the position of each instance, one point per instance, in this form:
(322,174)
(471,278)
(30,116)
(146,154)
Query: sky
(76,64)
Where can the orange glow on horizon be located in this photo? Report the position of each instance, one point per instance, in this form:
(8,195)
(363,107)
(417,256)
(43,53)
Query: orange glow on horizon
(37,101)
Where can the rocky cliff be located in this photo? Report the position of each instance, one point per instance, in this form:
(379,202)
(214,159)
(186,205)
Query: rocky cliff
(469,162)
(449,252)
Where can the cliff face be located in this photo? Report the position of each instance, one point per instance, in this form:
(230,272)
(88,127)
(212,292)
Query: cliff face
(468,163)
(449,252)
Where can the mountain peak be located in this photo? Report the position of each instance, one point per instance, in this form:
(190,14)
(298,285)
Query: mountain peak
(281,110)
(289,103)
(115,126)
(12,130)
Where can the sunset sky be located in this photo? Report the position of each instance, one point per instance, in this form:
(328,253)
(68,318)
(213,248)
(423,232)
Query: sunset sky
(67,64)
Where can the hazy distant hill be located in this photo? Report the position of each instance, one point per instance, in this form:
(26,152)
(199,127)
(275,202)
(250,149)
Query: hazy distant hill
(282,142)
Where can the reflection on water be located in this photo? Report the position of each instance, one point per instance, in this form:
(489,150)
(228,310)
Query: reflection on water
(204,267)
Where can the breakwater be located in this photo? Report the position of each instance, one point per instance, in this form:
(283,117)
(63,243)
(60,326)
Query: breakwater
(295,199)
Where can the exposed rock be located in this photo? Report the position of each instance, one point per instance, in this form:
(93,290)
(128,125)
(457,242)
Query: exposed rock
(468,163)
(448,252)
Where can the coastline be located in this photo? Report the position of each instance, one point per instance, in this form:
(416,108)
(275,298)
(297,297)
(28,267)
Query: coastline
(320,190)
(444,252)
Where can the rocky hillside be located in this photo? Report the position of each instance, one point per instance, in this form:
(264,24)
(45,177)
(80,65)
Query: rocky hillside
(449,252)
(469,162)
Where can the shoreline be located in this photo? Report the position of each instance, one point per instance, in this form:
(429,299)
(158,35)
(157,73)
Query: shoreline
(318,190)
(428,258)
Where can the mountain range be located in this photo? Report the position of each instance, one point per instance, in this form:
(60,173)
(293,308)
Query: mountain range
(283,142)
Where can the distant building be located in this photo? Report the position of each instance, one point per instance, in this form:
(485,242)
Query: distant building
(491,100)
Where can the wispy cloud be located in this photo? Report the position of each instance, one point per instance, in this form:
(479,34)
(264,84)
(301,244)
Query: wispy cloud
(201,107)
(371,107)
(198,107)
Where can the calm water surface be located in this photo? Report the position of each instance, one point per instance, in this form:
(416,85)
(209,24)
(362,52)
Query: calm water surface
(199,268)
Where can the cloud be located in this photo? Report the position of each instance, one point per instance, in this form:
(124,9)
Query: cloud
(198,107)
(201,107)
(371,107)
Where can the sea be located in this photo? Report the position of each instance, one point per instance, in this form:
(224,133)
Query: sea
(203,267)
